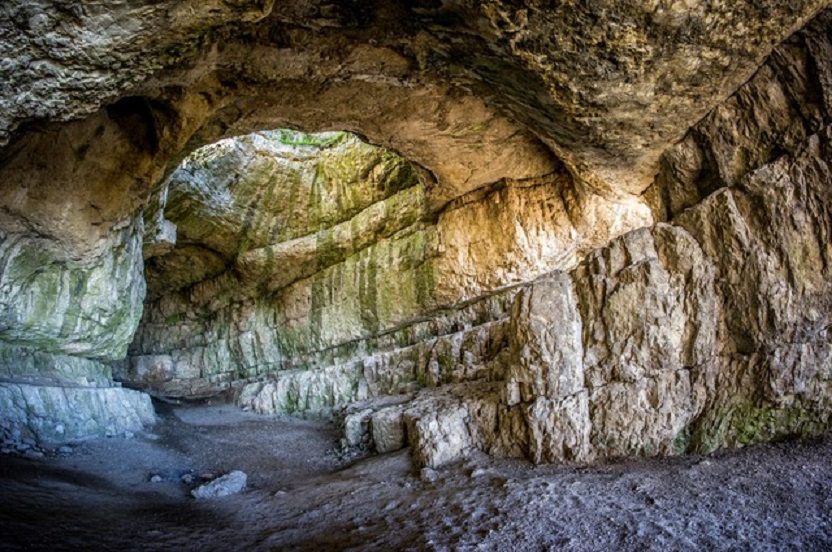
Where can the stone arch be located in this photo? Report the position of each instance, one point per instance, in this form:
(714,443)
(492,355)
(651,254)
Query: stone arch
(590,95)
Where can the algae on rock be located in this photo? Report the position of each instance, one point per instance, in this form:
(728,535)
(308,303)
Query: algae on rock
(289,247)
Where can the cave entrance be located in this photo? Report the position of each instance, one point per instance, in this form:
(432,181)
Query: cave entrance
(302,272)
(274,253)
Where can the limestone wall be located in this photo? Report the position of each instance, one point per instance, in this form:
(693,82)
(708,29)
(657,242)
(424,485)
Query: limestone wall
(292,245)
(707,332)
(515,282)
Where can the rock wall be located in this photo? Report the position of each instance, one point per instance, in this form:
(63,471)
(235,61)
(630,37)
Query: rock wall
(88,307)
(296,250)
(708,332)
(538,131)
(61,319)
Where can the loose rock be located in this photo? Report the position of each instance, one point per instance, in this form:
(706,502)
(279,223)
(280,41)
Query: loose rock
(229,484)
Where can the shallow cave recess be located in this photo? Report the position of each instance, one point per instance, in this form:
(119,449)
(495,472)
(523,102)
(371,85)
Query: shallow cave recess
(550,263)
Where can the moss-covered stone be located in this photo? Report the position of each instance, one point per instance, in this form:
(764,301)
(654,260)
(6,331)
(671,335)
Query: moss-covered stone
(325,243)
(62,306)
(749,422)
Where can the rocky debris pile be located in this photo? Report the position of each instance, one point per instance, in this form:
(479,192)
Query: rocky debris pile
(187,476)
(205,484)
(13,443)
(374,425)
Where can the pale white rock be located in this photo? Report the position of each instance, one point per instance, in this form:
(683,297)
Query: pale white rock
(57,414)
(559,429)
(357,428)
(388,430)
(229,484)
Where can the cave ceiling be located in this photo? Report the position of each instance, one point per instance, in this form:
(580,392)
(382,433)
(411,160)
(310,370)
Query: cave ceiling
(474,92)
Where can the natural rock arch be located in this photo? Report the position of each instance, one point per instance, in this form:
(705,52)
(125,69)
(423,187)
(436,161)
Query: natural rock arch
(585,95)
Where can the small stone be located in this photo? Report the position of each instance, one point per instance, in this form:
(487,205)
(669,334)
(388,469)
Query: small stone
(22,447)
(479,472)
(65,450)
(428,475)
(156,479)
(280,493)
(228,484)
(34,454)
(6,451)
(129,435)
(188,479)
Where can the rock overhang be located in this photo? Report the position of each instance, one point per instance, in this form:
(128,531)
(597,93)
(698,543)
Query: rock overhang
(501,89)
(512,107)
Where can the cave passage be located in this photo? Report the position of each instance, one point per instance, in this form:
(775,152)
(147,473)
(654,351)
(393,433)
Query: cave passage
(280,265)
(558,233)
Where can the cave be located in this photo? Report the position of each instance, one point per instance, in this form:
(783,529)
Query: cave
(448,256)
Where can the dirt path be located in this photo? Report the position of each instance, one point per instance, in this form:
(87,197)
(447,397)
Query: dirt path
(774,497)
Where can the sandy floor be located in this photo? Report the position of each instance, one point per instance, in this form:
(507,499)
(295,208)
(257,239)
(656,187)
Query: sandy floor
(774,497)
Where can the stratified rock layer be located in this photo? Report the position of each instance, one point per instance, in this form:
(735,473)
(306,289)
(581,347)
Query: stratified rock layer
(708,332)
(295,252)
(60,414)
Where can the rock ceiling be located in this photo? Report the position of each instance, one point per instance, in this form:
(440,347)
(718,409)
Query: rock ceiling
(473,91)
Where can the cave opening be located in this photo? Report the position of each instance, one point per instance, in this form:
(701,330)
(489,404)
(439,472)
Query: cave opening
(299,272)
(559,234)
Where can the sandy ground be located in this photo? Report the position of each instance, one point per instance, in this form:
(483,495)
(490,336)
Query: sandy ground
(775,497)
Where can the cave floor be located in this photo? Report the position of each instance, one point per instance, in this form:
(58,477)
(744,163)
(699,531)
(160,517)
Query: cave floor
(300,497)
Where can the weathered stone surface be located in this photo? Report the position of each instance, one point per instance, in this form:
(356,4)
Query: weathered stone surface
(536,130)
(387,426)
(231,483)
(62,61)
(559,429)
(26,365)
(59,305)
(291,244)
(357,428)
(58,414)
(607,84)
(545,342)
(309,391)
(706,333)
(774,113)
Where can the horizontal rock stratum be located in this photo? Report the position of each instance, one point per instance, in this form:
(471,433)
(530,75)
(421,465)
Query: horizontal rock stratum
(564,231)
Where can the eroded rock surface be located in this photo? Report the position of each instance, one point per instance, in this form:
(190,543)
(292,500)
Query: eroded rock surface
(60,413)
(707,332)
(297,251)
(607,84)
(509,275)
